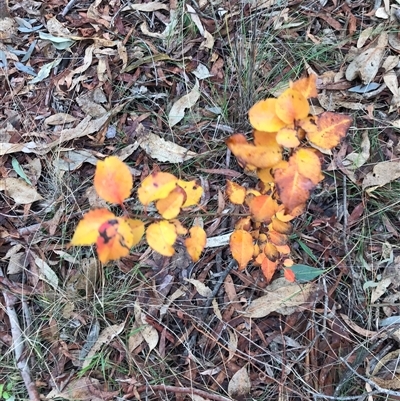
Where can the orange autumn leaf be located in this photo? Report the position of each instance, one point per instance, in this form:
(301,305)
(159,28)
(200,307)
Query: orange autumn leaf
(281,226)
(288,263)
(87,231)
(236,193)
(193,192)
(243,224)
(276,238)
(253,156)
(291,105)
(196,242)
(282,216)
(262,208)
(112,180)
(170,206)
(262,138)
(268,268)
(327,130)
(161,237)
(287,137)
(156,186)
(116,238)
(264,174)
(259,259)
(241,245)
(283,249)
(256,250)
(263,116)
(306,86)
(271,252)
(300,176)
(180,229)
(289,275)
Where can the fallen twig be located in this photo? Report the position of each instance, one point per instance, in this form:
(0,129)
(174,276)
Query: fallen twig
(18,344)
(183,390)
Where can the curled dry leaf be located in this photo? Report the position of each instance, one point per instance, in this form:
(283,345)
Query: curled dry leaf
(281,297)
(113,180)
(164,151)
(17,189)
(177,112)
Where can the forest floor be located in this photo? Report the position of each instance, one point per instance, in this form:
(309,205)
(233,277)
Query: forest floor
(82,80)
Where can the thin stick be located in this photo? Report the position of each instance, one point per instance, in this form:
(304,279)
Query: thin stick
(184,390)
(18,344)
(68,7)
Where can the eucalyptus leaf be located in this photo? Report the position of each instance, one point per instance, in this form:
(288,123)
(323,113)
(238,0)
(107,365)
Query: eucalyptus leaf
(45,71)
(306,273)
(19,170)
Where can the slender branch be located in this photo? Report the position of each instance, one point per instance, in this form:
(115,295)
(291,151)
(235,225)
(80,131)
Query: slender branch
(68,7)
(183,390)
(18,345)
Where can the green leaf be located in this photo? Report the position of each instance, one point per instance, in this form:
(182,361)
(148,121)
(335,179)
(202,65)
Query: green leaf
(305,273)
(19,170)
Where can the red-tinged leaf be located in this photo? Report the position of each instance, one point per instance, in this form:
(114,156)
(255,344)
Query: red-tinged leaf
(196,242)
(295,181)
(263,116)
(289,275)
(291,105)
(161,237)
(282,216)
(276,238)
(87,231)
(326,130)
(241,244)
(193,192)
(306,86)
(156,186)
(170,206)
(262,208)
(116,238)
(259,259)
(268,268)
(235,192)
(112,180)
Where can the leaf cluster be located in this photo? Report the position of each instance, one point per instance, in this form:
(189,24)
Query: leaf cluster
(288,170)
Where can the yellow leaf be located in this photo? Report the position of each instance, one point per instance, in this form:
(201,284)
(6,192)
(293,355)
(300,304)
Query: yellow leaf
(161,237)
(291,105)
(112,180)
(287,137)
(306,86)
(241,244)
(156,186)
(170,206)
(196,242)
(87,231)
(254,156)
(263,116)
(235,192)
(193,192)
